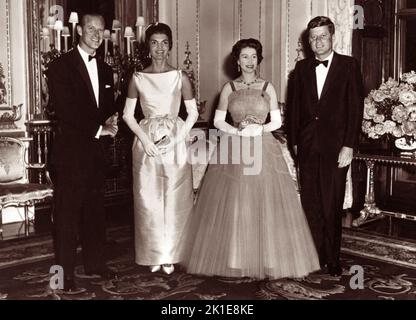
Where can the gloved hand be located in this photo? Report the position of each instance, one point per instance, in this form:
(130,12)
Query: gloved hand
(252,130)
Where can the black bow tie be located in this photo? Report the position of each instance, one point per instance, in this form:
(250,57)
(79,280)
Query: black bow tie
(318,62)
(90,58)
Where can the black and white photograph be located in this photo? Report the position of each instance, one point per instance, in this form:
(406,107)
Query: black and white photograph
(213,156)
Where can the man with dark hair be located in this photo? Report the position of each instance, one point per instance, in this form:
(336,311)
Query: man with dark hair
(82,93)
(325,114)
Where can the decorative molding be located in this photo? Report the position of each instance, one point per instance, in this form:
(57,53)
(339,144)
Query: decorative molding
(198,50)
(340,12)
(7,120)
(155,10)
(240,19)
(260,18)
(9,64)
(177,33)
(35,105)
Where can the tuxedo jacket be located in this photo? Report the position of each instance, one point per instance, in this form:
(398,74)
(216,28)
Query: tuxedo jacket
(78,117)
(327,124)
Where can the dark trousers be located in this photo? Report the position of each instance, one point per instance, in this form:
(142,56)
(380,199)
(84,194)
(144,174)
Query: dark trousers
(322,186)
(79,216)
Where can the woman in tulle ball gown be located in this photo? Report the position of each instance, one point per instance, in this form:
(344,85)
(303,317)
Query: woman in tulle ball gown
(248,220)
(162,177)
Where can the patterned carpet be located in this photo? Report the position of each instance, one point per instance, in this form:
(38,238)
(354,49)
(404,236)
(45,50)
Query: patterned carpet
(24,275)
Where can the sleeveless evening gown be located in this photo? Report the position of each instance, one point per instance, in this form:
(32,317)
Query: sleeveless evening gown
(250,226)
(162,186)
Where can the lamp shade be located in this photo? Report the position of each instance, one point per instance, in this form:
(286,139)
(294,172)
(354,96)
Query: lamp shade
(73,17)
(107,34)
(65,32)
(51,22)
(45,32)
(128,32)
(116,25)
(58,25)
(140,22)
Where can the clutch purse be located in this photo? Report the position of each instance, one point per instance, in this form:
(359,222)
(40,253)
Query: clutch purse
(164,141)
(249,119)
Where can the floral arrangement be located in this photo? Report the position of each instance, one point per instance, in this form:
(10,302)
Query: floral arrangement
(391,110)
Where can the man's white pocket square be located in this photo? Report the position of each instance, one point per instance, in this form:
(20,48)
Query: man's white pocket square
(107,86)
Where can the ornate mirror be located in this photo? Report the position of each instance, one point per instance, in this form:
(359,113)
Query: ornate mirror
(52,32)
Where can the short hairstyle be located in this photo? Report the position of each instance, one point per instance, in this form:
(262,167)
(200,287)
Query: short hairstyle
(248,43)
(84,17)
(159,28)
(322,21)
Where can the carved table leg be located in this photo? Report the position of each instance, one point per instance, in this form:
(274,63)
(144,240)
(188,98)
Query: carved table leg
(370,209)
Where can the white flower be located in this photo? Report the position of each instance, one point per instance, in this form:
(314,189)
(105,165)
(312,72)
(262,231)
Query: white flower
(397,132)
(379,129)
(366,127)
(379,118)
(409,128)
(412,113)
(408,98)
(379,96)
(389,126)
(409,77)
(370,109)
(399,114)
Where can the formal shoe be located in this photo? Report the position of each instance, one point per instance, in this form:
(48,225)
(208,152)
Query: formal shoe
(70,287)
(154,269)
(335,270)
(168,268)
(104,273)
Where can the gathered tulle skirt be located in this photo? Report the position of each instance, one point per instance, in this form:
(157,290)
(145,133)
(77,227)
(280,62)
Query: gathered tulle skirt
(163,195)
(250,224)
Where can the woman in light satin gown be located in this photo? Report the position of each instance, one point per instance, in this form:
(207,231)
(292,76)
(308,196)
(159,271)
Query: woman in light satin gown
(162,177)
(249,224)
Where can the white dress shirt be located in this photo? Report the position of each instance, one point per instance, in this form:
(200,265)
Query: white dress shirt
(93,73)
(322,73)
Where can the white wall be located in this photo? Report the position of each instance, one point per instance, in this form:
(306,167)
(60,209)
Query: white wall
(222,23)
(278,25)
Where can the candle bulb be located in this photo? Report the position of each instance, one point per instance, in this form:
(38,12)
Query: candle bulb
(115,42)
(45,36)
(116,27)
(58,27)
(128,34)
(107,36)
(140,24)
(73,19)
(51,24)
(66,34)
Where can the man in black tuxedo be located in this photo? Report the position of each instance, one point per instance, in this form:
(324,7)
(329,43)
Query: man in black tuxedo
(325,114)
(82,94)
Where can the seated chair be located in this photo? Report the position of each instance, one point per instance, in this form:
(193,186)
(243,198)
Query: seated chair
(15,189)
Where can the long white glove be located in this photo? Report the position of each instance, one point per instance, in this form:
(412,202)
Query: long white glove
(128,116)
(221,124)
(275,121)
(190,121)
(252,130)
(255,130)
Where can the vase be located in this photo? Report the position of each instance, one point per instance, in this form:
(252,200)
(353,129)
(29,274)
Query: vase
(406,146)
